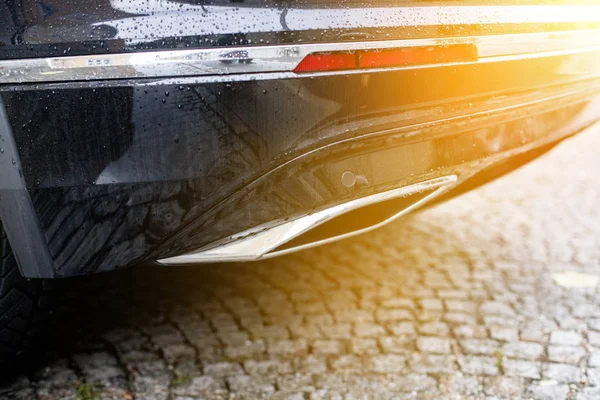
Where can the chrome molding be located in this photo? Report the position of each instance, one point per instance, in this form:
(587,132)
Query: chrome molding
(262,242)
(225,63)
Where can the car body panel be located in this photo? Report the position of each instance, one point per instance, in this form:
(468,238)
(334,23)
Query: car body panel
(61,28)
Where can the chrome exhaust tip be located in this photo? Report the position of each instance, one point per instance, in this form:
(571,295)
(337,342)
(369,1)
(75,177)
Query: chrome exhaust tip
(325,226)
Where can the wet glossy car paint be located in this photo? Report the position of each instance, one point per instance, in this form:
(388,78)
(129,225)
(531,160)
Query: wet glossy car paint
(125,171)
(60,27)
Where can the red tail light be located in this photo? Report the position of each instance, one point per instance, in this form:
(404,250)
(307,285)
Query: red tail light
(318,62)
(365,59)
(416,56)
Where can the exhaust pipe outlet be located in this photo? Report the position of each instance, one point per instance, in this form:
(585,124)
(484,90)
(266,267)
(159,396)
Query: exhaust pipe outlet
(324,226)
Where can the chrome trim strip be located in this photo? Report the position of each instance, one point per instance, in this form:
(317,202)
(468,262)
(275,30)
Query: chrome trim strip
(221,63)
(291,75)
(262,242)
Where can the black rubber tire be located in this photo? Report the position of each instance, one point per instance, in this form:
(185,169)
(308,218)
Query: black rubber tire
(23,306)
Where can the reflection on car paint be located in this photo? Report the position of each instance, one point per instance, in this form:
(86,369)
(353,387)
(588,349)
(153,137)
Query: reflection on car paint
(63,27)
(165,169)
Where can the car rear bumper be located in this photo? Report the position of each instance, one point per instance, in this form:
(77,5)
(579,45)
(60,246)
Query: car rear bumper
(107,167)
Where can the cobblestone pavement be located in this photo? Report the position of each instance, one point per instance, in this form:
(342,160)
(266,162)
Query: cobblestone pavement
(491,295)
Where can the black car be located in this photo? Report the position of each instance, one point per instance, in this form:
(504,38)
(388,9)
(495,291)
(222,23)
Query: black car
(182,132)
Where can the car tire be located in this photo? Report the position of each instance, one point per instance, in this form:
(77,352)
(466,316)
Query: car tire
(23,306)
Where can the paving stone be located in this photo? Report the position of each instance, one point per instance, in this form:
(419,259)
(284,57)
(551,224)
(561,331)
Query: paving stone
(326,394)
(164,335)
(453,294)
(521,368)
(503,387)
(199,386)
(249,321)
(234,338)
(269,332)
(588,393)
(573,324)
(247,350)
(309,332)
(565,338)
(566,354)
(478,365)
(431,304)
(438,345)
(287,348)
(177,353)
(250,386)
(594,338)
(498,320)
(295,382)
(417,382)
(398,302)
(396,344)
(224,323)
(479,346)
(267,367)
(594,360)
(593,375)
(470,331)
(327,347)
(387,363)
(150,388)
(457,318)
(354,316)
(468,307)
(222,369)
(402,328)
(55,380)
(311,365)
(532,333)
(594,324)
(524,350)
(100,368)
(307,308)
(384,315)
(20,388)
(337,331)
(436,328)
(547,391)
(368,330)
(346,363)
(460,386)
(433,364)
(415,291)
(363,346)
(562,373)
(496,308)
(504,333)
